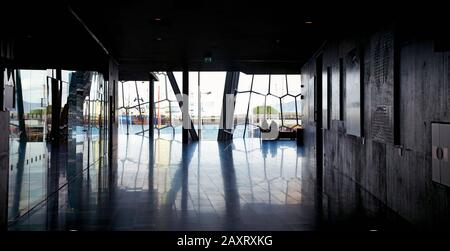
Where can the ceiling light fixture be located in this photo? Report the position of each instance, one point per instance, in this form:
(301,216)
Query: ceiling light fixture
(308,22)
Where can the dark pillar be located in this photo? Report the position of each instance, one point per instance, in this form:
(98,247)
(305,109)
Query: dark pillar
(53,173)
(56,106)
(151,105)
(113,82)
(185,149)
(176,90)
(20,111)
(226,120)
(185,108)
(151,124)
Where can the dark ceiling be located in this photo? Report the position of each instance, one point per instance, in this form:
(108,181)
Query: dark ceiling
(142,36)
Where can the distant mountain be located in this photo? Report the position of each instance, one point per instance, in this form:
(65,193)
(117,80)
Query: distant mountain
(27,107)
(289,106)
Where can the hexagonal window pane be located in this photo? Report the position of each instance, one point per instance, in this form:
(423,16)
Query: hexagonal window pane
(162,114)
(245,82)
(261,84)
(170,94)
(256,112)
(160,88)
(289,111)
(294,84)
(273,109)
(240,109)
(142,87)
(177,117)
(129,93)
(278,85)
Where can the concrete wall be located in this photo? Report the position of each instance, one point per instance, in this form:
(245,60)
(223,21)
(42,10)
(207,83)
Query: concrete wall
(4,168)
(391,162)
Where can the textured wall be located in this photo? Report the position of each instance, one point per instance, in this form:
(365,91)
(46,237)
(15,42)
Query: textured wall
(4,168)
(398,176)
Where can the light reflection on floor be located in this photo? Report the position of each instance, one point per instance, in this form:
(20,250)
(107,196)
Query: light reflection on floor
(242,185)
(239,185)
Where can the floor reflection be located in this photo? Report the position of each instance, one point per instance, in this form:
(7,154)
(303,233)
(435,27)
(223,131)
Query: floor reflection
(239,185)
(28,176)
(39,170)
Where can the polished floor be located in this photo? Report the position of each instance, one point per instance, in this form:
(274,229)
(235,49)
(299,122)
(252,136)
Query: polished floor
(238,185)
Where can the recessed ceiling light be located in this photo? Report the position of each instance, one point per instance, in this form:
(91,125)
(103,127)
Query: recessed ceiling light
(308,22)
(157,19)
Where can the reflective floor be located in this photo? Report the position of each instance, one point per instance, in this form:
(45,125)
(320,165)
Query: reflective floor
(38,169)
(239,185)
(244,185)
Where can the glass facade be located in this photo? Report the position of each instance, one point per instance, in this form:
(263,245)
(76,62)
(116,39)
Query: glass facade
(133,107)
(274,98)
(58,127)
(259,97)
(205,102)
(168,117)
(29,128)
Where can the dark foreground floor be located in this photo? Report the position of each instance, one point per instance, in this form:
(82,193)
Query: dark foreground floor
(239,185)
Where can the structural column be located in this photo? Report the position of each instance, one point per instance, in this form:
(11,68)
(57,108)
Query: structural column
(185,107)
(20,109)
(113,82)
(151,105)
(151,129)
(228,102)
(56,107)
